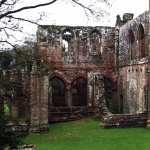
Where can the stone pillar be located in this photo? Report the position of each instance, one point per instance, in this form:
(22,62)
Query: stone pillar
(26,86)
(14,107)
(148,80)
(148,100)
(98,92)
(99,96)
(14,110)
(34,103)
(38,103)
(1,104)
(91,90)
(68,96)
(44,103)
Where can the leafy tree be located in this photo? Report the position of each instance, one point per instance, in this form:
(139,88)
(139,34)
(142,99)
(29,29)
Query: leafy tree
(15,59)
(7,137)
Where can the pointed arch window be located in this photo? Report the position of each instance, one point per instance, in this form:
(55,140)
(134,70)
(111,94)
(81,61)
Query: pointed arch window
(131,39)
(141,41)
(95,42)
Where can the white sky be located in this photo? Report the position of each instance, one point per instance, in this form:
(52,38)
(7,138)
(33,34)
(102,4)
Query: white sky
(64,13)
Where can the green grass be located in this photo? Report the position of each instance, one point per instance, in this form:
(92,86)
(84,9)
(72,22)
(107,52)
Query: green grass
(88,135)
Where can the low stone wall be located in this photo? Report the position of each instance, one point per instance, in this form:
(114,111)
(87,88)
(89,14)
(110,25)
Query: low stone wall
(60,114)
(25,128)
(38,128)
(124,120)
(21,127)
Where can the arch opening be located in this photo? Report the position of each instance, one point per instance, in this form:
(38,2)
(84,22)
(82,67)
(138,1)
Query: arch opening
(79,92)
(95,42)
(131,39)
(141,41)
(58,92)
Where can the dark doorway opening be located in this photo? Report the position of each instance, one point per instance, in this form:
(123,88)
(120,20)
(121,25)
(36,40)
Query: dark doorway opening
(58,92)
(79,92)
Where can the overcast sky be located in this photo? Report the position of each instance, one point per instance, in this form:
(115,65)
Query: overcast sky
(65,13)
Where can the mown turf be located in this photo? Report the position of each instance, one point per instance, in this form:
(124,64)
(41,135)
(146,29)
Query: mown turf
(88,135)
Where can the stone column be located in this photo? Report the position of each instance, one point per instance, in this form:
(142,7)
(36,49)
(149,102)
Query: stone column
(50,102)
(99,96)
(148,100)
(14,110)
(68,96)
(26,86)
(148,79)
(34,103)
(98,92)
(147,90)
(14,107)
(44,103)
(90,89)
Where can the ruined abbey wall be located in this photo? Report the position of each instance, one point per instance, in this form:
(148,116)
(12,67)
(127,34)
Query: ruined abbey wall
(77,56)
(86,71)
(133,64)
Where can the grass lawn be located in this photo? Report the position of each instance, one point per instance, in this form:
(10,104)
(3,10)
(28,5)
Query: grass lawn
(88,135)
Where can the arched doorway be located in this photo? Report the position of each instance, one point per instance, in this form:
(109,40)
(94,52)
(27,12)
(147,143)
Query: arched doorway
(57,92)
(79,92)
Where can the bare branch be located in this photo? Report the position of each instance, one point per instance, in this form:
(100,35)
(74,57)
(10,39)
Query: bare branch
(2,2)
(22,19)
(27,7)
(6,33)
(8,43)
(93,11)
(83,6)
(12,29)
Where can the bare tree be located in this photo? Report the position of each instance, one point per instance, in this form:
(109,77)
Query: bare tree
(10,23)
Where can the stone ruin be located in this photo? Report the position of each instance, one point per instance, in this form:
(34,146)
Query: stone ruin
(102,71)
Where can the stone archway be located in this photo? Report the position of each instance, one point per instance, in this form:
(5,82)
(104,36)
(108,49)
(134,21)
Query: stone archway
(57,88)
